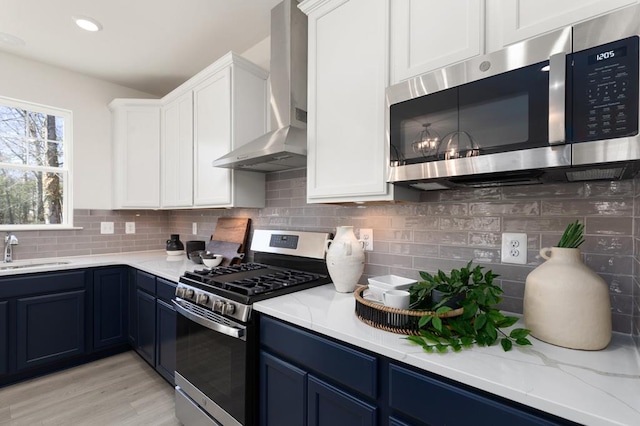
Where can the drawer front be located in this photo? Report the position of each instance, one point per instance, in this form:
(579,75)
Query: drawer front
(165,290)
(146,282)
(431,402)
(49,282)
(337,362)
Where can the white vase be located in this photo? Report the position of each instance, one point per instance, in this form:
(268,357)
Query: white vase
(566,303)
(345,259)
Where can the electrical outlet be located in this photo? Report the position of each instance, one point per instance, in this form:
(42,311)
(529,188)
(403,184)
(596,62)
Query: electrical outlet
(129,227)
(194,228)
(514,248)
(366,236)
(106,227)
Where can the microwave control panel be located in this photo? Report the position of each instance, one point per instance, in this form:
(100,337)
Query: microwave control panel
(605,91)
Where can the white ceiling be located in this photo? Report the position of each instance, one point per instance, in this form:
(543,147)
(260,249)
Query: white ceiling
(149,45)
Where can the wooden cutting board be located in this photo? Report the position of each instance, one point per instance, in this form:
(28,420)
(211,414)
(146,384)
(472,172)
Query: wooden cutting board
(233,230)
(228,250)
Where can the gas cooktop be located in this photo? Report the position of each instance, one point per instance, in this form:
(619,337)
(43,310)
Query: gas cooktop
(285,261)
(249,282)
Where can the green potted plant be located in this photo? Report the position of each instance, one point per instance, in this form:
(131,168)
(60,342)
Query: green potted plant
(479,323)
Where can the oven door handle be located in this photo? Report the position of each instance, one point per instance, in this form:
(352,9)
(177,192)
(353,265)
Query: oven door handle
(238,333)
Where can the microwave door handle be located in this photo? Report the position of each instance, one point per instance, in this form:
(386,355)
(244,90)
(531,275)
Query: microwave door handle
(238,333)
(557,88)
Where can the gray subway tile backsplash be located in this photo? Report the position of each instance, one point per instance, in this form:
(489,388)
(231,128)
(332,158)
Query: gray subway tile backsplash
(443,231)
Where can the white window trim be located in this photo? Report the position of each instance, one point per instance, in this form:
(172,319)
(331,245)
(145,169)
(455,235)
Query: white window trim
(67,169)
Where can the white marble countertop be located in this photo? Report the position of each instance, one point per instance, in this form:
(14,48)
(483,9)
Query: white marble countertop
(155,262)
(588,387)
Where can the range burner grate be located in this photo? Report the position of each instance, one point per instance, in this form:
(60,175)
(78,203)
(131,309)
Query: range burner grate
(251,279)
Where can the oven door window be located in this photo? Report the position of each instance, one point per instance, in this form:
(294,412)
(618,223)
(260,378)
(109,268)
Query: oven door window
(214,363)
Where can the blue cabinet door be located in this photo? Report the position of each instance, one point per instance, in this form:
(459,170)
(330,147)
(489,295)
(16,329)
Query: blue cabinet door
(50,328)
(166,340)
(146,326)
(110,305)
(283,393)
(4,337)
(330,406)
(133,312)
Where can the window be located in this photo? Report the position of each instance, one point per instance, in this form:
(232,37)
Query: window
(35,166)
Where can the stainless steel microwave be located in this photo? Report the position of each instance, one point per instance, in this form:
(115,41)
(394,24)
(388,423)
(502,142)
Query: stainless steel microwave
(558,107)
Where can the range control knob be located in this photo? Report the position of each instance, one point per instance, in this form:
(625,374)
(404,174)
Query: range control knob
(202,299)
(190,294)
(228,308)
(218,306)
(180,292)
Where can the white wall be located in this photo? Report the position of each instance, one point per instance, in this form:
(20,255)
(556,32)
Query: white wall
(260,53)
(87,98)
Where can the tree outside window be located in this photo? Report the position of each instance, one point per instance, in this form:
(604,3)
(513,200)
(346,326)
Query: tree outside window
(34,171)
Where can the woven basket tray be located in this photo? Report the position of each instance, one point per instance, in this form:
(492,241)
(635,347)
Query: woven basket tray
(401,321)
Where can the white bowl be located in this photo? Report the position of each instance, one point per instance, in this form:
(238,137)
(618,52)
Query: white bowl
(379,285)
(212,262)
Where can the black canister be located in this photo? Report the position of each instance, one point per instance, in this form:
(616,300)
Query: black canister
(195,245)
(174,244)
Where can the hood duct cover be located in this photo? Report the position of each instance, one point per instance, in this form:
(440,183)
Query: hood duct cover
(286,147)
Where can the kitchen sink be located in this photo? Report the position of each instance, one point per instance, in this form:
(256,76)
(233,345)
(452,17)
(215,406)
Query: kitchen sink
(24,265)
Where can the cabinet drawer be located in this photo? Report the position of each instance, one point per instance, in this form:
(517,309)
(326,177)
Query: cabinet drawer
(26,285)
(165,290)
(432,402)
(146,282)
(337,362)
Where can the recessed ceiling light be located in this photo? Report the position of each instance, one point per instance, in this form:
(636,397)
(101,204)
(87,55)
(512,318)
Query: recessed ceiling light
(11,40)
(87,23)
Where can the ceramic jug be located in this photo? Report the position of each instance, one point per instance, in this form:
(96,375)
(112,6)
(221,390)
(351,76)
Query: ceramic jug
(345,259)
(174,244)
(566,303)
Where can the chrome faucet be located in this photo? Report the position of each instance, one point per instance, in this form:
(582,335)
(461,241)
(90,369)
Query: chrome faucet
(10,240)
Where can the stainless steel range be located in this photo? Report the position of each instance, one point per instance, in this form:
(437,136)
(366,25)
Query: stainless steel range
(217,341)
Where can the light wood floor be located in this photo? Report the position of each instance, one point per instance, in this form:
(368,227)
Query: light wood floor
(119,390)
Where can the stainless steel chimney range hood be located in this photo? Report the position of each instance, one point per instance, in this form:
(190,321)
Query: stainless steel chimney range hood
(286,147)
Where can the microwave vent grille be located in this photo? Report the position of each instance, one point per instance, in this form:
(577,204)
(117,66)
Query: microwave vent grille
(595,174)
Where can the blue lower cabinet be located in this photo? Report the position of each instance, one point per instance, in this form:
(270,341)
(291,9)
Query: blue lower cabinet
(284,392)
(154,318)
(146,326)
(110,295)
(330,406)
(4,337)
(50,328)
(166,340)
(373,390)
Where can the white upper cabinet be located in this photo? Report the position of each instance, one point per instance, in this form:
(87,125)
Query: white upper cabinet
(427,35)
(511,21)
(348,73)
(212,124)
(163,149)
(177,152)
(230,109)
(136,153)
